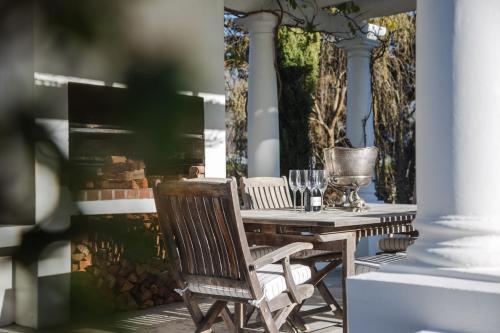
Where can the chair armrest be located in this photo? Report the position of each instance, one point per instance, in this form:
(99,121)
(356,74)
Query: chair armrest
(280,254)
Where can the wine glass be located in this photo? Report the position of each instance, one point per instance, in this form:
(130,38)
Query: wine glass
(310,184)
(302,180)
(321,182)
(292,182)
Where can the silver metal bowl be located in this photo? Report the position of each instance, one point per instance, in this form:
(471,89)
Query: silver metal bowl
(350,169)
(351,181)
(343,162)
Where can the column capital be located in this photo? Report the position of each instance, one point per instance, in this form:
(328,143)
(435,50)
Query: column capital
(360,46)
(260,22)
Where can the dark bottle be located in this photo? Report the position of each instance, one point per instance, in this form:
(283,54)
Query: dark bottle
(315,200)
(308,192)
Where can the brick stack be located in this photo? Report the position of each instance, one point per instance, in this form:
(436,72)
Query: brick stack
(119,178)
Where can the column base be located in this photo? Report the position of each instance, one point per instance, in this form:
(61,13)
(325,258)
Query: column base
(390,301)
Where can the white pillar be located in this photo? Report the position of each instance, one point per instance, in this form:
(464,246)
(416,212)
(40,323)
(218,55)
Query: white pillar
(458,89)
(262,109)
(452,279)
(359,90)
(359,129)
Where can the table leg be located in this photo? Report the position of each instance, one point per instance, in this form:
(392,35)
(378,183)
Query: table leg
(348,249)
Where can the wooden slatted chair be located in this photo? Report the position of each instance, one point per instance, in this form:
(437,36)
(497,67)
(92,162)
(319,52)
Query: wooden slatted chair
(273,193)
(211,259)
(265,193)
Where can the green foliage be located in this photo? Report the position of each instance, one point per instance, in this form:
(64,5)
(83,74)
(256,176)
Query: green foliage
(299,49)
(298,65)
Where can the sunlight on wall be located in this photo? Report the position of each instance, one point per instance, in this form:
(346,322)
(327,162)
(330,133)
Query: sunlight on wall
(215,132)
(59,81)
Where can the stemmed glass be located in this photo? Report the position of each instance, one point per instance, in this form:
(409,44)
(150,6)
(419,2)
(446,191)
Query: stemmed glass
(302,180)
(292,182)
(310,182)
(321,183)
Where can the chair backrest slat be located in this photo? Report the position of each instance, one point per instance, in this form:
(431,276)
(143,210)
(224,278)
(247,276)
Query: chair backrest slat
(265,193)
(265,197)
(203,219)
(218,237)
(278,197)
(257,202)
(216,264)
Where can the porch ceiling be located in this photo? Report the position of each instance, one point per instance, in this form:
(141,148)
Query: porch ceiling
(369,8)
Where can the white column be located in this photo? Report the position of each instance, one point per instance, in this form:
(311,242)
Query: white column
(262,109)
(451,282)
(458,90)
(359,129)
(359,90)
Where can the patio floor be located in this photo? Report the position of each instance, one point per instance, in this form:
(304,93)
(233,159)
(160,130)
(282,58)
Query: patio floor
(174,318)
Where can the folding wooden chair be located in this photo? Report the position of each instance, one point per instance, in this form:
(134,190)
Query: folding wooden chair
(265,193)
(273,193)
(211,259)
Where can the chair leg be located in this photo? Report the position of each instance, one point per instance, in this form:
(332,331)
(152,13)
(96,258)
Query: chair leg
(298,322)
(267,318)
(250,311)
(193,308)
(319,282)
(239,317)
(228,319)
(282,315)
(328,297)
(209,319)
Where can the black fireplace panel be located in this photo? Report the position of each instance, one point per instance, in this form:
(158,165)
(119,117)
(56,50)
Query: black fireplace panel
(169,139)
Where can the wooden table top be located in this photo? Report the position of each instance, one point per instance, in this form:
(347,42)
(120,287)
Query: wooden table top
(333,217)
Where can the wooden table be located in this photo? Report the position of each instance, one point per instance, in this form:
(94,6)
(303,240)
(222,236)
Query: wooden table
(335,230)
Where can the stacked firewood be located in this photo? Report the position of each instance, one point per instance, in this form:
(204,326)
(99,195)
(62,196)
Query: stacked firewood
(135,284)
(125,256)
(81,258)
(119,172)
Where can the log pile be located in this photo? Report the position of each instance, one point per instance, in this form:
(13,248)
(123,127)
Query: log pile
(196,171)
(125,256)
(119,172)
(81,258)
(135,284)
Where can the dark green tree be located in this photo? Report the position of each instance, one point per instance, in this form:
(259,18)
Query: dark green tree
(298,66)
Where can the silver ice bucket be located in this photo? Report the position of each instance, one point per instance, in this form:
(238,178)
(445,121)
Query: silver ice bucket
(350,169)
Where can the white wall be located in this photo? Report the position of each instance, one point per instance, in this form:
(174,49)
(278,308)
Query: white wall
(189,33)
